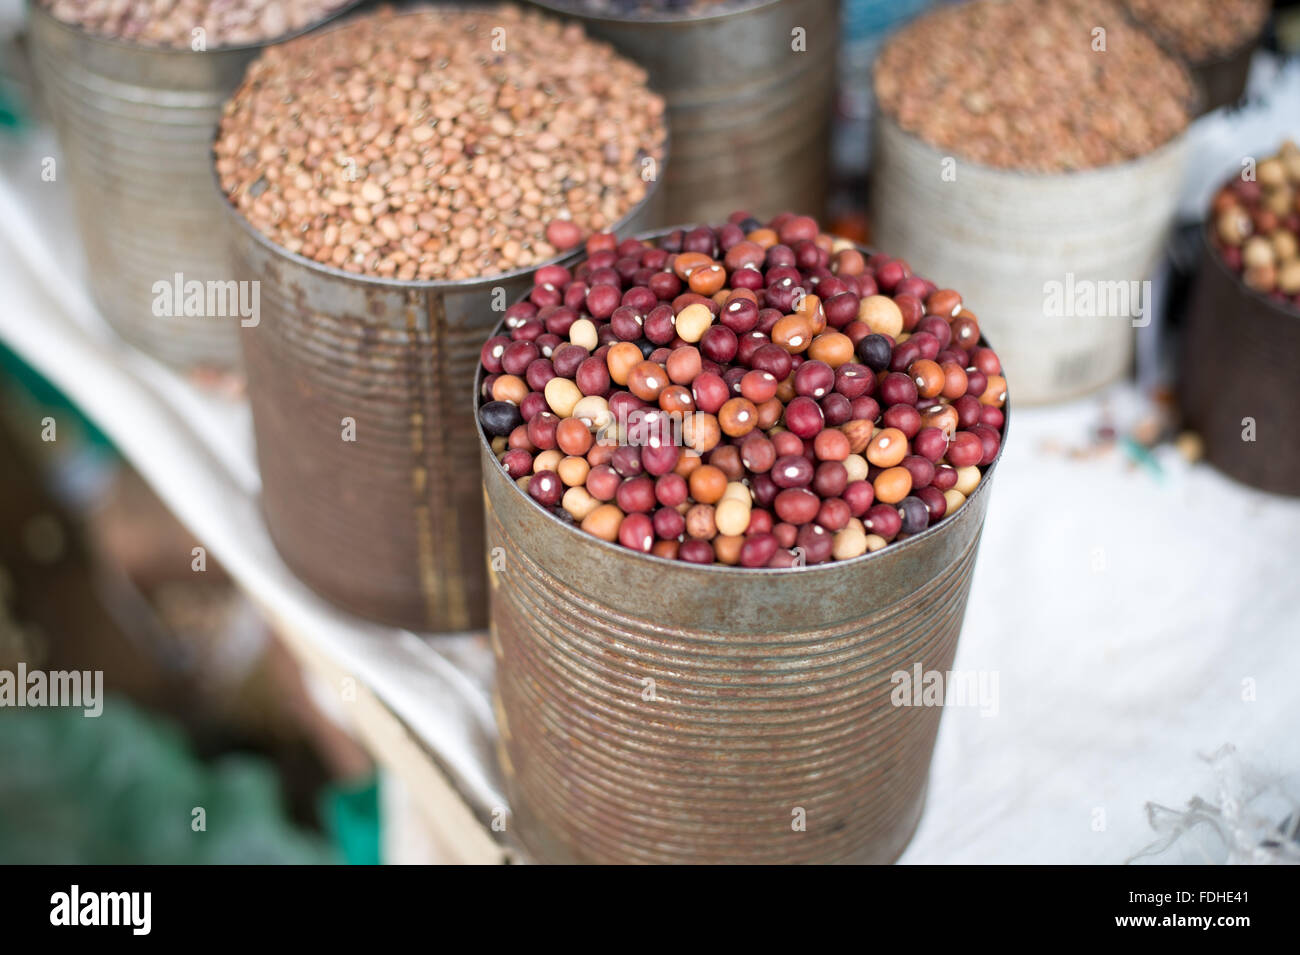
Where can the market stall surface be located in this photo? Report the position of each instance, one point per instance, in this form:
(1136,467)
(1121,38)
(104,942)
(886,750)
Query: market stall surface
(1131,614)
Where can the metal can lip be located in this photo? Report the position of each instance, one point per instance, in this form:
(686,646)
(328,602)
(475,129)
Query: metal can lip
(1122,168)
(1287,312)
(659,19)
(37,8)
(616,550)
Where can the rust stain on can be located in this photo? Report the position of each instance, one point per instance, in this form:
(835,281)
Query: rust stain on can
(389,525)
(656,711)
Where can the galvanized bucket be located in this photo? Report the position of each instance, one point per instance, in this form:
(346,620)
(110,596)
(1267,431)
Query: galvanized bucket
(135,126)
(749,116)
(1020,243)
(1237,383)
(360,390)
(655,711)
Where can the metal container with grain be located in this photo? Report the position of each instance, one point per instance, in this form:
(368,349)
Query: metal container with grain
(749,93)
(361,401)
(1237,384)
(1035,173)
(1007,239)
(359,379)
(135,125)
(656,711)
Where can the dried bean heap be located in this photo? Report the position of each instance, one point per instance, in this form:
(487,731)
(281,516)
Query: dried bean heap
(171,23)
(1018,85)
(1202,30)
(1256,226)
(752,394)
(649,9)
(438,145)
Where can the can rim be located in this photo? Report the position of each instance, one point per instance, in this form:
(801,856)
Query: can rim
(1123,167)
(933,531)
(484,281)
(37,7)
(1195,104)
(664,19)
(1288,311)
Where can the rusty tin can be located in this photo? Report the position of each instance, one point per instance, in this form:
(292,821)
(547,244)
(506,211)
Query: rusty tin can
(135,126)
(656,711)
(1237,382)
(749,94)
(361,393)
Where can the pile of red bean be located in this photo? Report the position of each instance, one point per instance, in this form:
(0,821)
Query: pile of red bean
(755,395)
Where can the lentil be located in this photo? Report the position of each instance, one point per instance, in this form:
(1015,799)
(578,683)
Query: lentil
(171,23)
(1028,91)
(336,139)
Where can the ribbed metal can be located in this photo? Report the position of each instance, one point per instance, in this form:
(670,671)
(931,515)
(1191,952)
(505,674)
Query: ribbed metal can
(1013,240)
(655,711)
(361,393)
(135,126)
(1237,382)
(749,102)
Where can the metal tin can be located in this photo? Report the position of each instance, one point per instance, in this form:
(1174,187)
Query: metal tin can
(135,126)
(1237,383)
(749,102)
(661,712)
(362,406)
(1009,240)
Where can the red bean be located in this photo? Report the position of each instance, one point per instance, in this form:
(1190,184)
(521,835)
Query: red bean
(758,549)
(921,469)
(710,392)
(792,471)
(968,411)
(883,520)
(934,501)
(517,462)
(898,389)
(796,505)
(929,443)
(903,417)
(966,449)
(860,495)
(637,533)
(804,417)
(670,489)
(696,551)
(815,379)
(945,478)
(669,523)
(815,543)
(546,488)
